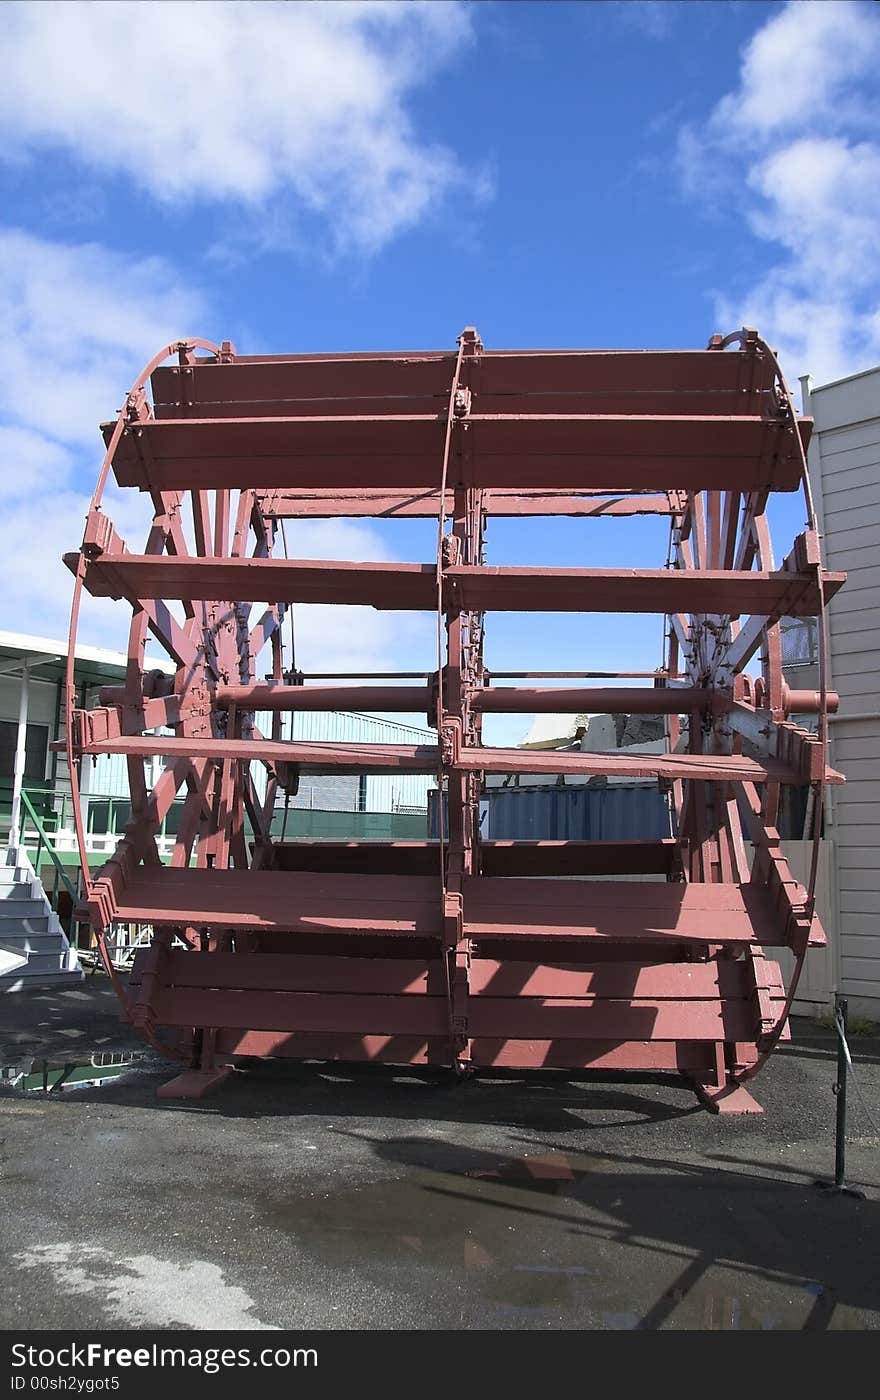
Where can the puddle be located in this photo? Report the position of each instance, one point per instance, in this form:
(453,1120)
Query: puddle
(544,1238)
(553,1238)
(53,1076)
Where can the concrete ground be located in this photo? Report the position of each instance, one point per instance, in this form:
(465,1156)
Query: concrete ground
(308,1196)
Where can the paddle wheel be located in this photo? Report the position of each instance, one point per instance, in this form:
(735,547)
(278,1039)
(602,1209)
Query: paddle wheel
(456,951)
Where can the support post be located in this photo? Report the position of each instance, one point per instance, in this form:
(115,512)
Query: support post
(838,1186)
(20,753)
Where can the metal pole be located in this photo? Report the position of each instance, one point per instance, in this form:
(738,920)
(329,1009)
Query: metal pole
(838,1186)
(840,1023)
(20,751)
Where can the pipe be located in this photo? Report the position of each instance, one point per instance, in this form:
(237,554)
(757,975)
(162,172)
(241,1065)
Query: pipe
(402,699)
(809,702)
(661,700)
(584,675)
(511,700)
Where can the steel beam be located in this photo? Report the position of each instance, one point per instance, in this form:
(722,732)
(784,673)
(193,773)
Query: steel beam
(641,381)
(409,758)
(570,452)
(329,505)
(476,587)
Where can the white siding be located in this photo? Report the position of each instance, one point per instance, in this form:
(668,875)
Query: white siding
(845,467)
(42,700)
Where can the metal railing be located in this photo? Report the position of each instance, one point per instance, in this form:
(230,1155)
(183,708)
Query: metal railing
(51,806)
(60,877)
(105,813)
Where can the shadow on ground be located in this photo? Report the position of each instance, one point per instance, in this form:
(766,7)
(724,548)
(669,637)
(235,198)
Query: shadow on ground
(369,1197)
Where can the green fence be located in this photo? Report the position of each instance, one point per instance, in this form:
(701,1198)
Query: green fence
(348,826)
(45,813)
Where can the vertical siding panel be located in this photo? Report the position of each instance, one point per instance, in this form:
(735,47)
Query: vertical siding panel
(845,465)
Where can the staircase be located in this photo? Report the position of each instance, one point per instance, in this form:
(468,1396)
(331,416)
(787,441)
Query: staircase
(34,951)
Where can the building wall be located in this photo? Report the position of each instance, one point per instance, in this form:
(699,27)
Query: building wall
(104,781)
(845,469)
(42,712)
(384,792)
(42,703)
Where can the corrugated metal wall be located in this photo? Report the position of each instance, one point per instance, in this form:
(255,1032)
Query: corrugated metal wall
(109,776)
(384,792)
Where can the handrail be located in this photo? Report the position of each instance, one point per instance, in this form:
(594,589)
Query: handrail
(60,872)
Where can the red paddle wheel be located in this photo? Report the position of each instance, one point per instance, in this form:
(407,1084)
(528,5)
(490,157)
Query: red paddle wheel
(458,951)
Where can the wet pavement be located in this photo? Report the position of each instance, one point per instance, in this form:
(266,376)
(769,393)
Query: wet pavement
(304,1196)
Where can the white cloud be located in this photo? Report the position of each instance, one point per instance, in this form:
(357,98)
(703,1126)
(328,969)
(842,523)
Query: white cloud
(78,324)
(793,151)
(359,640)
(79,321)
(35,586)
(651,19)
(348,638)
(820,198)
(29,464)
(240,101)
(801,66)
(334,539)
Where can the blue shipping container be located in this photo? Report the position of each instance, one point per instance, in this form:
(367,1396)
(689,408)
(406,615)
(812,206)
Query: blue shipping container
(618,812)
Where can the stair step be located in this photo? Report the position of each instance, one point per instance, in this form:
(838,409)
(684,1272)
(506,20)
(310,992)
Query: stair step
(21,890)
(38,963)
(28,928)
(33,918)
(14,875)
(39,942)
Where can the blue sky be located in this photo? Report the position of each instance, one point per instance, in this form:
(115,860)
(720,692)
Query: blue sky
(359,176)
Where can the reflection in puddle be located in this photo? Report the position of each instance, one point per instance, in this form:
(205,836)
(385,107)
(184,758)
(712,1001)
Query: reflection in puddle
(549,1172)
(50,1076)
(539,1238)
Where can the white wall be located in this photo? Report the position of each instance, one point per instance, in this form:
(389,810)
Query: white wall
(42,703)
(845,469)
